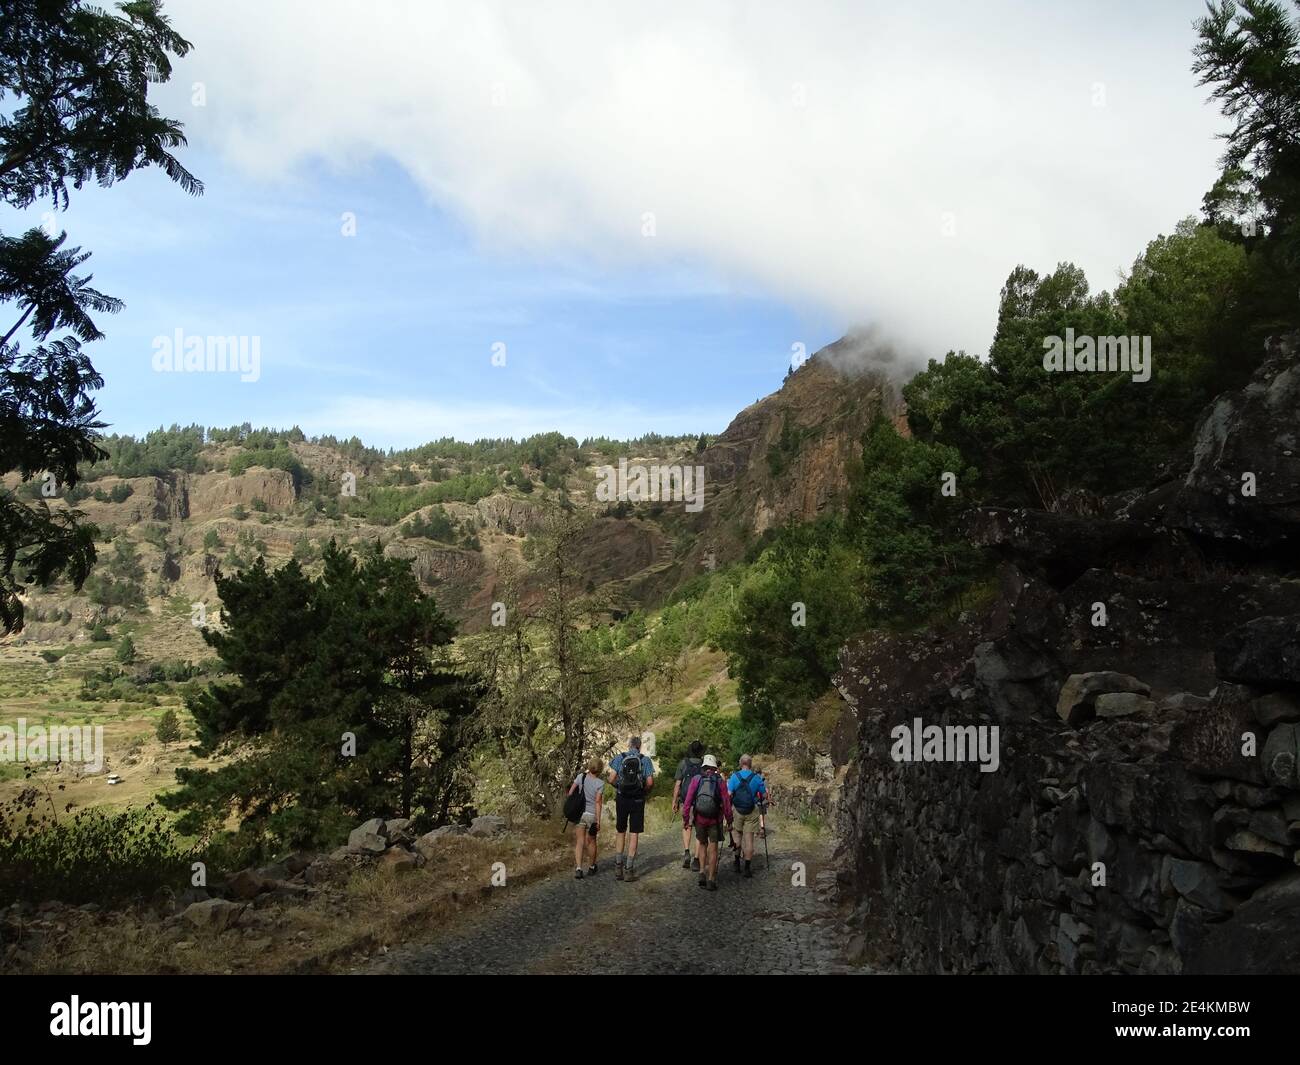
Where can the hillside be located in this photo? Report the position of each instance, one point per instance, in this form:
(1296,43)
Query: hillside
(461,514)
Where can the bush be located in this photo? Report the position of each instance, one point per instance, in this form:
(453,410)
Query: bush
(95,856)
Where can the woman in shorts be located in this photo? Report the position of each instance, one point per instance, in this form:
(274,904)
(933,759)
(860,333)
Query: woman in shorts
(592,784)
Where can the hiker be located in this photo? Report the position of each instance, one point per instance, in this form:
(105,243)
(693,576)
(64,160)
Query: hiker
(591,783)
(707,806)
(633,775)
(748,799)
(687,770)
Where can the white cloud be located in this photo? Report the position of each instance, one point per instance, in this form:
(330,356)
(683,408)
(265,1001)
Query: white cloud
(815,149)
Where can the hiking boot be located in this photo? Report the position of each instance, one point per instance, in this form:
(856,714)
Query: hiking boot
(618,872)
(577,874)
(686,861)
(749,873)
(629,875)
(695,865)
(713,885)
(704,880)
(592,870)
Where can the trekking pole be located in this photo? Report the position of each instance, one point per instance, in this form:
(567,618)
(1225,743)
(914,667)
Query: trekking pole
(767,855)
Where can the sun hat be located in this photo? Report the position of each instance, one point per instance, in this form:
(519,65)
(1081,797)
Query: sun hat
(710,761)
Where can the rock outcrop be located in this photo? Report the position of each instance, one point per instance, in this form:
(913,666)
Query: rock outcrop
(1139,675)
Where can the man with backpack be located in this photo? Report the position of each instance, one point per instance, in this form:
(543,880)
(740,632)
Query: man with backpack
(687,770)
(633,775)
(748,797)
(707,806)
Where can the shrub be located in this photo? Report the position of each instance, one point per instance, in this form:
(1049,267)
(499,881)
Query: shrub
(94,856)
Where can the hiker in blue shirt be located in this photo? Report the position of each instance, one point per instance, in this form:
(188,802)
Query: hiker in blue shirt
(633,775)
(748,800)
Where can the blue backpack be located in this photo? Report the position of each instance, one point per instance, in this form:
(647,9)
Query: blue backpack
(744,803)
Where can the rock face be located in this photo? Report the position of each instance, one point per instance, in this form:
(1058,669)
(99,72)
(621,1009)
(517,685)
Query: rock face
(788,455)
(1141,672)
(1255,431)
(214,493)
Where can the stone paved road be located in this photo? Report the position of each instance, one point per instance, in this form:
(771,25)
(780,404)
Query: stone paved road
(662,923)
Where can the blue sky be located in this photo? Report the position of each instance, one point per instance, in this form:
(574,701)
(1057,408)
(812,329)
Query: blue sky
(805,171)
(390,333)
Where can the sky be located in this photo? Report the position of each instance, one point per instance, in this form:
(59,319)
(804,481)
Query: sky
(438,219)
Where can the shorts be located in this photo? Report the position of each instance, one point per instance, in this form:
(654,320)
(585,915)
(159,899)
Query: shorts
(748,822)
(709,833)
(631,815)
(588,821)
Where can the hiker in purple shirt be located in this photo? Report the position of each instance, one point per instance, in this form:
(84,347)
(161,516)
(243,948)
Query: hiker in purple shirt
(707,805)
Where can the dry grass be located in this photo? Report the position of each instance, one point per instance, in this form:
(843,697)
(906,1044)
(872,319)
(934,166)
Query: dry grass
(360,912)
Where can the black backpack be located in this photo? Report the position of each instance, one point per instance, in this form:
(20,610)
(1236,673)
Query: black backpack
(747,804)
(690,770)
(575,804)
(707,803)
(631,781)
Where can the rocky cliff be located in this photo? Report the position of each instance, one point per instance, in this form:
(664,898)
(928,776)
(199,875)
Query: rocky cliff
(1141,668)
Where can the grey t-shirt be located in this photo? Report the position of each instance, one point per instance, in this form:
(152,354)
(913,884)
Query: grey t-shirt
(591,787)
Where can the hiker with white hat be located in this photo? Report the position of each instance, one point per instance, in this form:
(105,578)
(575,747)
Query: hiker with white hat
(707,805)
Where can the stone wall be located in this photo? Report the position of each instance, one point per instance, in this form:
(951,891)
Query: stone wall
(1144,814)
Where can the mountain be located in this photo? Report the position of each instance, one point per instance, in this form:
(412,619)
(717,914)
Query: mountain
(786,457)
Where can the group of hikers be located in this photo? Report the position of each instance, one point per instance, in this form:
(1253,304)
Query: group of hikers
(706,799)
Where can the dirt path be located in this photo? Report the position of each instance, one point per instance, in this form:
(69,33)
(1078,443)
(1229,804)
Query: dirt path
(662,923)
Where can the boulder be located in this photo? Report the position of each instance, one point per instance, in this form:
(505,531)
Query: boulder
(246,884)
(1122,704)
(215,915)
(397,860)
(487,825)
(398,828)
(1077,701)
(370,838)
